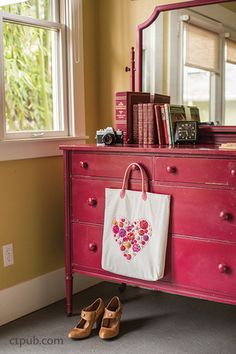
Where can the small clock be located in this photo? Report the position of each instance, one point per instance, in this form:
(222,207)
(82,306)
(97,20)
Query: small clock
(186,132)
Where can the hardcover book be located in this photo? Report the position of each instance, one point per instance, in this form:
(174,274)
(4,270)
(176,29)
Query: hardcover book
(159,125)
(140,123)
(163,116)
(158,98)
(174,113)
(192,113)
(135,124)
(145,124)
(152,131)
(124,102)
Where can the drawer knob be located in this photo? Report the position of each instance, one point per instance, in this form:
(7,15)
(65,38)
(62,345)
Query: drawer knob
(171,169)
(92,247)
(92,202)
(225,216)
(84,164)
(233,172)
(223,268)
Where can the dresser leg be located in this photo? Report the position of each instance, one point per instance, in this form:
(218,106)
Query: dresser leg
(69,289)
(122,287)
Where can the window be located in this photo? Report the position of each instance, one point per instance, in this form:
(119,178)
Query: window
(230,77)
(196,90)
(37,68)
(201,49)
(32,42)
(206,62)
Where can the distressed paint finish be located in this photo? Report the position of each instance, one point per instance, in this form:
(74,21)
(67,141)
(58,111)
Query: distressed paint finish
(201,180)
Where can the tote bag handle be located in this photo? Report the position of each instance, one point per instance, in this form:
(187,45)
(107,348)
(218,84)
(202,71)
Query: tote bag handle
(126,177)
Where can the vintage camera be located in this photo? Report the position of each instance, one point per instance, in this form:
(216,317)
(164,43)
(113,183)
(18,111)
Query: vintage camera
(109,136)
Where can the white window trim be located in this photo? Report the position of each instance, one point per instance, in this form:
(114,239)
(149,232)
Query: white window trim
(154,82)
(44,146)
(175,67)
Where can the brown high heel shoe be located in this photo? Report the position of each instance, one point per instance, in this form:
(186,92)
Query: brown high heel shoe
(110,326)
(89,315)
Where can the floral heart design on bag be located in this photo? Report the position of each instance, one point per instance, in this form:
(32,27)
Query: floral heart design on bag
(131,236)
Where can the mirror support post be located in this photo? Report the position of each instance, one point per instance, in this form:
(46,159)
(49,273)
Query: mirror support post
(132,69)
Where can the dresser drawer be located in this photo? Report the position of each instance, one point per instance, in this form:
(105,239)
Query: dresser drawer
(195,170)
(201,212)
(204,265)
(87,250)
(87,245)
(88,198)
(107,165)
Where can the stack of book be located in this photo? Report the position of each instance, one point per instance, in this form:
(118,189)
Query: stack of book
(137,127)
(147,119)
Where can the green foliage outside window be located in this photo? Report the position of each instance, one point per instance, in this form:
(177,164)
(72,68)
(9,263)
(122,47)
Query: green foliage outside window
(28,75)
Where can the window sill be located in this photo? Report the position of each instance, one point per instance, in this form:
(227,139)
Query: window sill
(33,148)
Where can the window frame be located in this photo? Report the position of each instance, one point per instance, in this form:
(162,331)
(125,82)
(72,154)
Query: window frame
(47,144)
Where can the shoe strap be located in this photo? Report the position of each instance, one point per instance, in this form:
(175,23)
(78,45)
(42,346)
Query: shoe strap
(111,314)
(88,315)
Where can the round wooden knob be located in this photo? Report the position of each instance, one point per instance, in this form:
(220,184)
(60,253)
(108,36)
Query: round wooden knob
(171,169)
(93,247)
(233,172)
(223,268)
(84,164)
(92,202)
(224,215)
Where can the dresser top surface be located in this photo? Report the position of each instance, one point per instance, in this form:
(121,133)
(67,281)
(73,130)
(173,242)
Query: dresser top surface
(153,149)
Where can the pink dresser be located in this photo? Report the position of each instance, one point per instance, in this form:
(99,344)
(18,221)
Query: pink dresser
(201,252)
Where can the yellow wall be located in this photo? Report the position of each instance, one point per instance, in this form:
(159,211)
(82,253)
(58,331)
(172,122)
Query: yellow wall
(31,205)
(117,34)
(31,214)
(109,33)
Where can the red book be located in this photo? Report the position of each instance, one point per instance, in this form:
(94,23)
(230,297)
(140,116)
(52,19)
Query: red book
(163,116)
(140,123)
(145,123)
(135,124)
(152,132)
(159,125)
(124,102)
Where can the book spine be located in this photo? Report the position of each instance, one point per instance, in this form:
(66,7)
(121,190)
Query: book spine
(163,115)
(168,124)
(151,125)
(135,124)
(124,102)
(140,123)
(145,123)
(159,125)
(121,119)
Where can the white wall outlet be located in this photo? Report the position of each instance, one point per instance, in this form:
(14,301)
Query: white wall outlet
(8,258)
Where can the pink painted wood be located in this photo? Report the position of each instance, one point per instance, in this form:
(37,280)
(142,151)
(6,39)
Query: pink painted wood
(196,171)
(200,259)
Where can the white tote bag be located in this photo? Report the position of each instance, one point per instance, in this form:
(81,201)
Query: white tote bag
(135,230)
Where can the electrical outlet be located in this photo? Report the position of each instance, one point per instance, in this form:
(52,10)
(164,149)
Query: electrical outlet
(8,258)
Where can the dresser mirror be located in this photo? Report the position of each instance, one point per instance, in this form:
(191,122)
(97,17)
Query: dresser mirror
(188,51)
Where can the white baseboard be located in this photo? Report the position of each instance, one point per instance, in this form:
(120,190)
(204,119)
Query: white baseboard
(29,296)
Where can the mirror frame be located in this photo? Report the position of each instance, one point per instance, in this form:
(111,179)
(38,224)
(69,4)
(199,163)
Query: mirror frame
(208,134)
